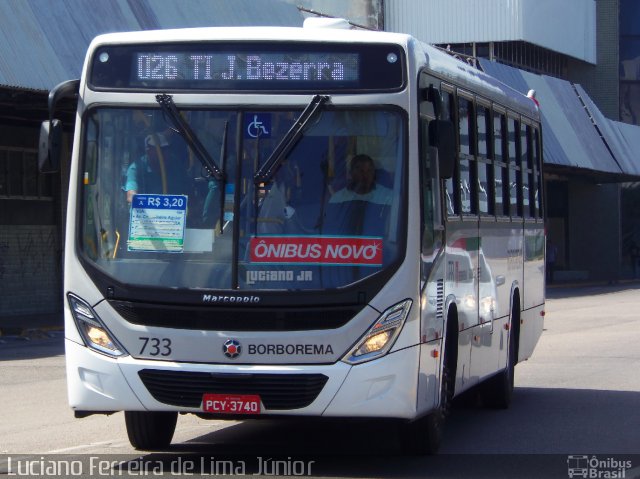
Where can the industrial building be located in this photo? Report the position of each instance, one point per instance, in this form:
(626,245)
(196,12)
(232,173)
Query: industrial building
(582,57)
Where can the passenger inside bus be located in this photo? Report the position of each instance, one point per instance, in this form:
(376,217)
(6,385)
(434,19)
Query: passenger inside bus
(277,201)
(158,170)
(361,207)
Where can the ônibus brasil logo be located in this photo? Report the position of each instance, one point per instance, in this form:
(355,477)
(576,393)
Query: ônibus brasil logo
(231,348)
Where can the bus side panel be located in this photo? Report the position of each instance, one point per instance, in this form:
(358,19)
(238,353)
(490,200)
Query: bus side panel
(530,331)
(533,291)
(461,289)
(429,378)
(488,352)
(484,266)
(502,248)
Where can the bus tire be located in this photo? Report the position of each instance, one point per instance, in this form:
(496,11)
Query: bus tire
(424,435)
(150,430)
(498,390)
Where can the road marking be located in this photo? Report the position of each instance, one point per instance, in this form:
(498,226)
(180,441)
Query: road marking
(85,446)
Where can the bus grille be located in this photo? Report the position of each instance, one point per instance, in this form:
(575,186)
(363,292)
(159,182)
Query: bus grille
(277,391)
(235,319)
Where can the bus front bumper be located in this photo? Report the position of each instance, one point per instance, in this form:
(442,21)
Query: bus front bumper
(386,387)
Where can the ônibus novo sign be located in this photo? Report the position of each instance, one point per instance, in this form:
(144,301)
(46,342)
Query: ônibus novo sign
(326,250)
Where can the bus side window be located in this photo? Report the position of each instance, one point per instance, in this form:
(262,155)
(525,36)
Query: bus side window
(513,167)
(427,156)
(501,176)
(485,170)
(525,168)
(537,168)
(452,198)
(466,165)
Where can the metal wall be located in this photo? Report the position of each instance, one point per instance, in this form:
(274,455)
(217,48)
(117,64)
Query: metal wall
(564,26)
(41,44)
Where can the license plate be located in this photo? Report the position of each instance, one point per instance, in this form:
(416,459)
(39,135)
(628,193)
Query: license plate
(231,404)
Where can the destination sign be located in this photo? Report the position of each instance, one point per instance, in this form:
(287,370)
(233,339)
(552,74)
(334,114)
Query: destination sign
(211,67)
(248,66)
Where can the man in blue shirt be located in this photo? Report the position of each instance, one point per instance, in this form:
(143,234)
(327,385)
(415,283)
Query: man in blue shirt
(156,171)
(362,207)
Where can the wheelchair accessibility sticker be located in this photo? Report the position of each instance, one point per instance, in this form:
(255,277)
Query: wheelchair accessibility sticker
(257,125)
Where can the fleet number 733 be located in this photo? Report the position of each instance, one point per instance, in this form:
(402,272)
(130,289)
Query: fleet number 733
(155,346)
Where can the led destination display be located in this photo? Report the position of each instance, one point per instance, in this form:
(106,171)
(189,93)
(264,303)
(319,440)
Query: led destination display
(248,66)
(252,67)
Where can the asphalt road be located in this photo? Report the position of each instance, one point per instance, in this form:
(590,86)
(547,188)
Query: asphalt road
(578,396)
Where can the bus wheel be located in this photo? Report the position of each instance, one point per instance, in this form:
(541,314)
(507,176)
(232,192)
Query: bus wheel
(150,430)
(423,436)
(497,391)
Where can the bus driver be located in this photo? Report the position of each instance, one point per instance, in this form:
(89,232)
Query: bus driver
(360,208)
(362,184)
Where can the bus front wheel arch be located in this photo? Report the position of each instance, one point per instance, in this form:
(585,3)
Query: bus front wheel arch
(424,435)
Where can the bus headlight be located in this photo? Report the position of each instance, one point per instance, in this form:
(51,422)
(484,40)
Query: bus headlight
(95,334)
(381,336)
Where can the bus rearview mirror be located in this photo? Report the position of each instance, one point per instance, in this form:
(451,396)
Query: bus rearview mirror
(49,146)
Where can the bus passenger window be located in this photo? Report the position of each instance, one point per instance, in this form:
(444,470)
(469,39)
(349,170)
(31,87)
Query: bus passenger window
(501,178)
(485,194)
(467,164)
(466,186)
(527,180)
(537,160)
(452,202)
(481,122)
(451,185)
(464,126)
(514,182)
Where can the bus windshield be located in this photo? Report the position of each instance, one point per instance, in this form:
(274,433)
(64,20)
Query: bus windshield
(330,213)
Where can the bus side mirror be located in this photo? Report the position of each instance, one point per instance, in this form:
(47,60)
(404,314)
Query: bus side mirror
(49,146)
(442,136)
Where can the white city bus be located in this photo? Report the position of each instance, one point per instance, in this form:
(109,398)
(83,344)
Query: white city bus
(295,222)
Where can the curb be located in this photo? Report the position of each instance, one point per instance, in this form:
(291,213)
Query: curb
(46,332)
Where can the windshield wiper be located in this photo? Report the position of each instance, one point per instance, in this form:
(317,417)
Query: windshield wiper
(223,182)
(268,169)
(169,108)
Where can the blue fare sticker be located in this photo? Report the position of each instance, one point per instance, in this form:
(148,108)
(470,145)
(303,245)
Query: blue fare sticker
(157,223)
(160,202)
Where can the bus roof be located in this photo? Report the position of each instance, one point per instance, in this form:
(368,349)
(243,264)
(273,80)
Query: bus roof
(440,63)
(469,78)
(252,34)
